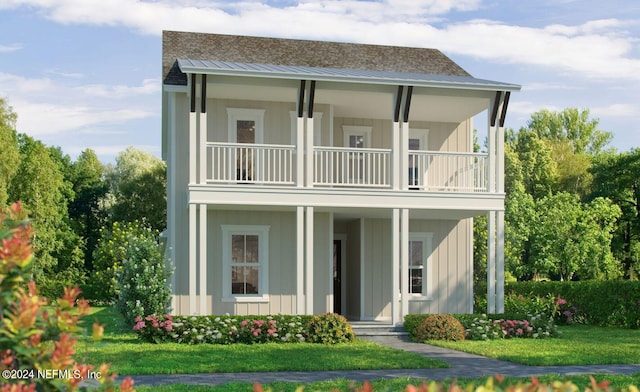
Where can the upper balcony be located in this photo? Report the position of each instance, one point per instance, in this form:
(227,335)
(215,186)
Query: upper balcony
(344,167)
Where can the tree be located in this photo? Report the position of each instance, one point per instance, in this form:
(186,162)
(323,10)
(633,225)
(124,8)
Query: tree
(617,176)
(537,167)
(573,126)
(138,182)
(85,211)
(570,240)
(41,186)
(8,149)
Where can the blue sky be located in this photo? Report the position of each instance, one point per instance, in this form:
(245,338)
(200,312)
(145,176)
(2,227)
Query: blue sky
(86,73)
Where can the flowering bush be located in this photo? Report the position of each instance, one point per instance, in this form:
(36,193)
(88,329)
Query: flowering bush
(142,279)
(154,328)
(221,329)
(482,328)
(35,336)
(108,256)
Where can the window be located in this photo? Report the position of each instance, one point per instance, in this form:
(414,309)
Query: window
(245,263)
(420,245)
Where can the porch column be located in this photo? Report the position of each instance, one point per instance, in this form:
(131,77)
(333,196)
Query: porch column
(404,261)
(193,130)
(308,244)
(500,214)
(395,267)
(193,161)
(300,260)
(203,132)
(192,258)
(404,142)
(395,141)
(300,136)
(491,262)
(310,137)
(203,260)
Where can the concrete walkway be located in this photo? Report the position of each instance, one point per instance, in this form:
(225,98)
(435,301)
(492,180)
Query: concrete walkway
(462,365)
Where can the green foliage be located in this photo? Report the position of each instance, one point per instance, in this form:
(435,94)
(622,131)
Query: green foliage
(86,211)
(221,329)
(329,328)
(35,335)
(8,149)
(138,185)
(142,282)
(440,327)
(107,259)
(572,126)
(617,177)
(605,303)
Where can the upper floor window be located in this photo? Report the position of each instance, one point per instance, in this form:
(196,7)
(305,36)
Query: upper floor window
(245,125)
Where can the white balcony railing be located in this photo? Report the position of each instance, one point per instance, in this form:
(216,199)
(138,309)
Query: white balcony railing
(250,163)
(359,167)
(448,171)
(272,164)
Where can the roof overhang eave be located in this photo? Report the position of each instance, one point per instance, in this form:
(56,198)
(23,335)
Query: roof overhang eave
(472,84)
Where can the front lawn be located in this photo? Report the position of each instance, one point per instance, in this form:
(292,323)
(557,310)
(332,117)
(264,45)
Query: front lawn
(579,345)
(129,356)
(398,384)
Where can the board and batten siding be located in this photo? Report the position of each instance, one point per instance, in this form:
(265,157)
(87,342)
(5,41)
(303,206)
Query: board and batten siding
(442,136)
(282,264)
(452,263)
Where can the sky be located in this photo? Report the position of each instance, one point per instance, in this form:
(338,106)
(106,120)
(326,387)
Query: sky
(87,73)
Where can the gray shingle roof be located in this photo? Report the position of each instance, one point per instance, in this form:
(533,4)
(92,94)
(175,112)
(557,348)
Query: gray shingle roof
(303,53)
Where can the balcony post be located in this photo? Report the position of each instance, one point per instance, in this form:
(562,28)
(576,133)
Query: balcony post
(404,261)
(308,245)
(193,129)
(300,136)
(395,141)
(203,132)
(310,136)
(203,260)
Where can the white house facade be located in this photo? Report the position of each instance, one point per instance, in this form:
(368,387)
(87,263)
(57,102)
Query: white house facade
(306,177)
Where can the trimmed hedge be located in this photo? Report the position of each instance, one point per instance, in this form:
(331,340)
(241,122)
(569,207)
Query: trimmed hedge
(603,303)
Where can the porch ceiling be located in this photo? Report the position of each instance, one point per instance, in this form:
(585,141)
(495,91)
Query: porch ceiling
(358,100)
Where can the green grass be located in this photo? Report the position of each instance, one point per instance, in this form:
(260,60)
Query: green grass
(579,345)
(129,356)
(398,384)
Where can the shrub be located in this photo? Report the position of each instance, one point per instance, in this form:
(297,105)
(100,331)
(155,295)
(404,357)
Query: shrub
(483,328)
(440,327)
(142,282)
(35,335)
(108,256)
(604,303)
(221,329)
(329,328)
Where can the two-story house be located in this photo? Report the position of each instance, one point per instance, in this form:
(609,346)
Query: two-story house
(308,177)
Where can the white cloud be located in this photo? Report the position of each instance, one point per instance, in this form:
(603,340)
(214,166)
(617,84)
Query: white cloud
(110,150)
(149,86)
(597,48)
(617,110)
(38,119)
(10,48)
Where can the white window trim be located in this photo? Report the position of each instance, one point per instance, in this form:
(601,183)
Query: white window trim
(255,115)
(427,269)
(357,130)
(317,127)
(422,135)
(263,250)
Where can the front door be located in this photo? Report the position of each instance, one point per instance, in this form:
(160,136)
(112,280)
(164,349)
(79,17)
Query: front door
(337,276)
(245,133)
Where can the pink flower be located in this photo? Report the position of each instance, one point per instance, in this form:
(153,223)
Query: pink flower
(519,331)
(271,331)
(256,332)
(244,323)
